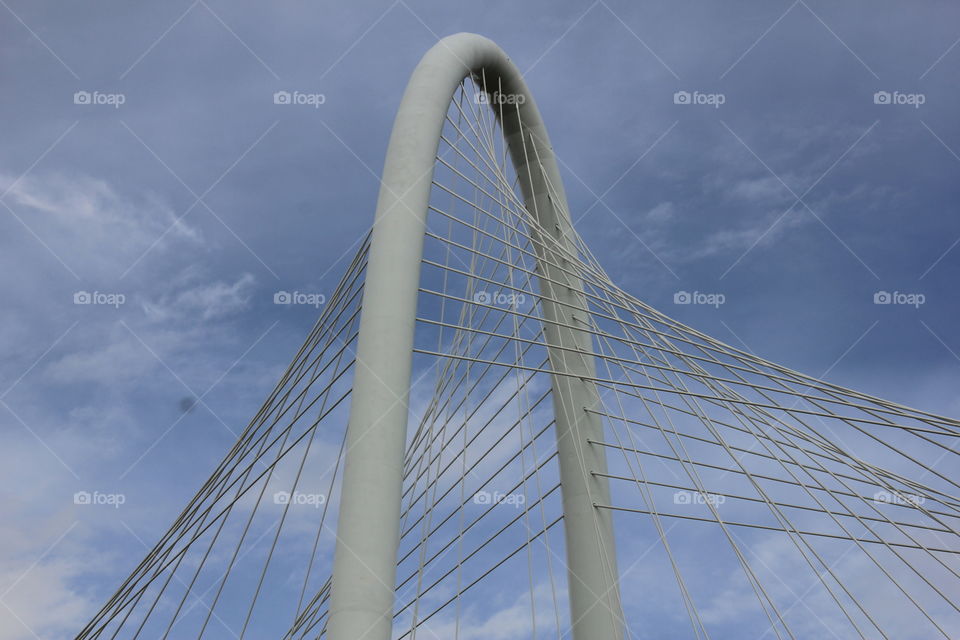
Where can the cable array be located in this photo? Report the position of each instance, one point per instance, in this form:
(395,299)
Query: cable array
(749,500)
(218,571)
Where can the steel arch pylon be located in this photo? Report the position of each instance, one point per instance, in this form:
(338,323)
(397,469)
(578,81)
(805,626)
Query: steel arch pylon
(364,569)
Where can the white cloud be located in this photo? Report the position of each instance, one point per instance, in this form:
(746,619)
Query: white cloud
(122,359)
(43,549)
(660,213)
(44,602)
(206,301)
(762,189)
(96,229)
(504,616)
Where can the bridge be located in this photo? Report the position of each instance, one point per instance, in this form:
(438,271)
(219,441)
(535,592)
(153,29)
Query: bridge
(483,436)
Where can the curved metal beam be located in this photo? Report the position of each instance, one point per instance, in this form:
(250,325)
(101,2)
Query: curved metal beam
(364,570)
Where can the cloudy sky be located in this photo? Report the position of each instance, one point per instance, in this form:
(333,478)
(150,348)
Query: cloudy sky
(798,158)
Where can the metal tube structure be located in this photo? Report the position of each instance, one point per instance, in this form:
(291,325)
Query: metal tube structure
(364,569)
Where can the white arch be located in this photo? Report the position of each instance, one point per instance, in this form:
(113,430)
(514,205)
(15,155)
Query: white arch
(364,571)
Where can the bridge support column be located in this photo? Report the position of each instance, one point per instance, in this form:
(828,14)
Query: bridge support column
(592,575)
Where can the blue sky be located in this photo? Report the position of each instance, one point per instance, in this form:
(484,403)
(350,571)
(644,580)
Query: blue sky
(798,199)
